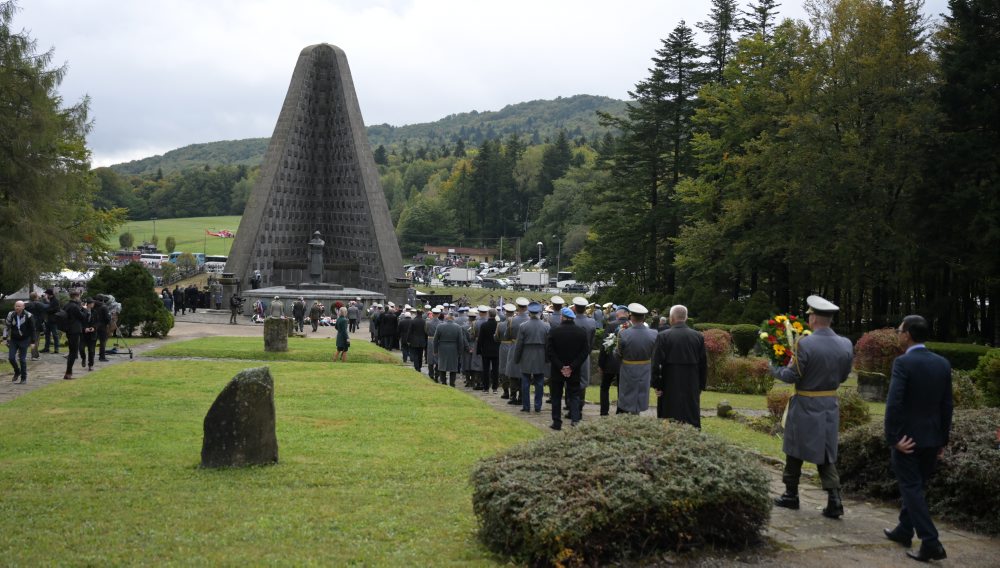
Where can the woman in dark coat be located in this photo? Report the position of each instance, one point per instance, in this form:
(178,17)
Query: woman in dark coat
(343,340)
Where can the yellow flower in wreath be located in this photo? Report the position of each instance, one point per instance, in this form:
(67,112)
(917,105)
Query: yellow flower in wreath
(780,319)
(797,327)
(779,350)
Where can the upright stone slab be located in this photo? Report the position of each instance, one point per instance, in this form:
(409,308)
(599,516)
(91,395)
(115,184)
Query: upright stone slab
(319,175)
(276,331)
(239,428)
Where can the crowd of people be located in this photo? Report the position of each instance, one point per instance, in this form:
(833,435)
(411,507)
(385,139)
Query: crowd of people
(86,324)
(515,349)
(191,297)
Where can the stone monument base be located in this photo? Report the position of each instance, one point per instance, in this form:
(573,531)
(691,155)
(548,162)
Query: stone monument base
(325,296)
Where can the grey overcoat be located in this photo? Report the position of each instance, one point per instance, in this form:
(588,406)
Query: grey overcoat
(529,351)
(514,326)
(449,343)
(635,346)
(824,360)
(431,327)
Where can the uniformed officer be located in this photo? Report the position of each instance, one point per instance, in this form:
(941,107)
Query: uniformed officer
(505,347)
(529,355)
(589,325)
(449,344)
(476,363)
(431,328)
(635,347)
(820,364)
(513,368)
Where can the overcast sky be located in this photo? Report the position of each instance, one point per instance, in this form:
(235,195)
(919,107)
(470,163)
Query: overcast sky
(168,73)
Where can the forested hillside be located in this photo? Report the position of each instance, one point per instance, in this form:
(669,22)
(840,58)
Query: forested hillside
(534,122)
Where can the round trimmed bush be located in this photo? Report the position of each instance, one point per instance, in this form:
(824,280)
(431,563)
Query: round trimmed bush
(743,375)
(987,376)
(963,490)
(876,350)
(744,337)
(618,488)
(853,409)
(718,348)
(965,393)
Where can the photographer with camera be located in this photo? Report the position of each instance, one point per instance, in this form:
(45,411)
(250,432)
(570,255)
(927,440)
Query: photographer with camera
(235,308)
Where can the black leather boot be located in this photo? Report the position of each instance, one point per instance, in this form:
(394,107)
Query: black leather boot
(789,499)
(506,394)
(834,507)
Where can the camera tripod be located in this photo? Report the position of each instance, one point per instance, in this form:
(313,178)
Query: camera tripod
(119,341)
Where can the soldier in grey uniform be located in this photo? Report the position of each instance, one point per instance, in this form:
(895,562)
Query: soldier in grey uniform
(505,347)
(530,356)
(433,321)
(465,323)
(513,369)
(590,326)
(820,364)
(449,344)
(476,363)
(635,347)
(276,309)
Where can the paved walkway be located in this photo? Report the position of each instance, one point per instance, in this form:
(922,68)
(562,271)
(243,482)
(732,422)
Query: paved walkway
(801,538)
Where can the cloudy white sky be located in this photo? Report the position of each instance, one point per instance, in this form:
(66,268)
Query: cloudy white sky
(167,73)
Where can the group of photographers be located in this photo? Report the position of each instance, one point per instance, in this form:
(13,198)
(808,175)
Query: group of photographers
(86,325)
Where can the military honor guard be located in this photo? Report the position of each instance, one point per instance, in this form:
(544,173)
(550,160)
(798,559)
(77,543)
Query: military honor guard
(530,356)
(820,364)
(513,368)
(505,348)
(449,344)
(430,327)
(635,347)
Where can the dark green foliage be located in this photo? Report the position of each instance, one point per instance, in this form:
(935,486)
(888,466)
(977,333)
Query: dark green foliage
(853,409)
(170,244)
(965,393)
(744,337)
(987,377)
(707,326)
(964,487)
(618,488)
(142,309)
(962,356)
(742,375)
(126,240)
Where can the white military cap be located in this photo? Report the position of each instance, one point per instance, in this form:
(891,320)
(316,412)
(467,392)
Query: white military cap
(436,311)
(439,307)
(427,306)
(638,309)
(607,305)
(483,308)
(522,301)
(406,306)
(580,301)
(510,307)
(821,306)
(391,305)
(407,315)
(557,300)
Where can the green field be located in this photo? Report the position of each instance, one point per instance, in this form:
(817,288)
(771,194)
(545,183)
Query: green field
(252,348)
(188,232)
(373,470)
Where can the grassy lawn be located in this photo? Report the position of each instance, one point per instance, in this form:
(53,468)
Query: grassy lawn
(374,461)
(188,232)
(252,348)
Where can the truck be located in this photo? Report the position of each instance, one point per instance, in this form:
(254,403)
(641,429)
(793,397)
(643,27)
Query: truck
(460,277)
(532,280)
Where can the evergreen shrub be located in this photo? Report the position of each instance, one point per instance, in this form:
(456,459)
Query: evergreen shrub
(987,376)
(777,400)
(718,347)
(853,409)
(132,287)
(876,350)
(743,375)
(965,393)
(964,487)
(618,488)
(962,356)
(744,337)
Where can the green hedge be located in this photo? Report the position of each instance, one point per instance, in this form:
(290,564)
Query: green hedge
(744,337)
(708,326)
(962,356)
(743,375)
(964,489)
(618,488)
(987,377)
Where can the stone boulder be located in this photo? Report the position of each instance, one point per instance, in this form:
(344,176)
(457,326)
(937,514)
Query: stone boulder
(276,332)
(239,428)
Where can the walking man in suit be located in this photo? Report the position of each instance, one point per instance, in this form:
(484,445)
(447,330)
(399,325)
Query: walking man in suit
(821,363)
(917,423)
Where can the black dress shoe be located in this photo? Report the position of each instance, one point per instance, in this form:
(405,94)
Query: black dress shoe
(928,553)
(895,537)
(787,501)
(554,427)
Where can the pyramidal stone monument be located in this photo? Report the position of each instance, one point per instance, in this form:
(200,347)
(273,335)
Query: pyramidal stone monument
(318,176)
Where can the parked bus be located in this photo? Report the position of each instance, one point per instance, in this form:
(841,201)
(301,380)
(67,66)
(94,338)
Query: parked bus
(126,256)
(153,260)
(215,263)
(199,257)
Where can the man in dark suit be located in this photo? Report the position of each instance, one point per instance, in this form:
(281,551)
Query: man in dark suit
(680,370)
(567,347)
(488,348)
(417,339)
(917,423)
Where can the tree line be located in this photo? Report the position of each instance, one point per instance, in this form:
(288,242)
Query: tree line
(854,156)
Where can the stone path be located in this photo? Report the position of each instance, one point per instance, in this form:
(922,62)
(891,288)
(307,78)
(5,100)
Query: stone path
(800,538)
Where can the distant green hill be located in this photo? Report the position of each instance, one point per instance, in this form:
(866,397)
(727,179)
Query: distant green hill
(535,121)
